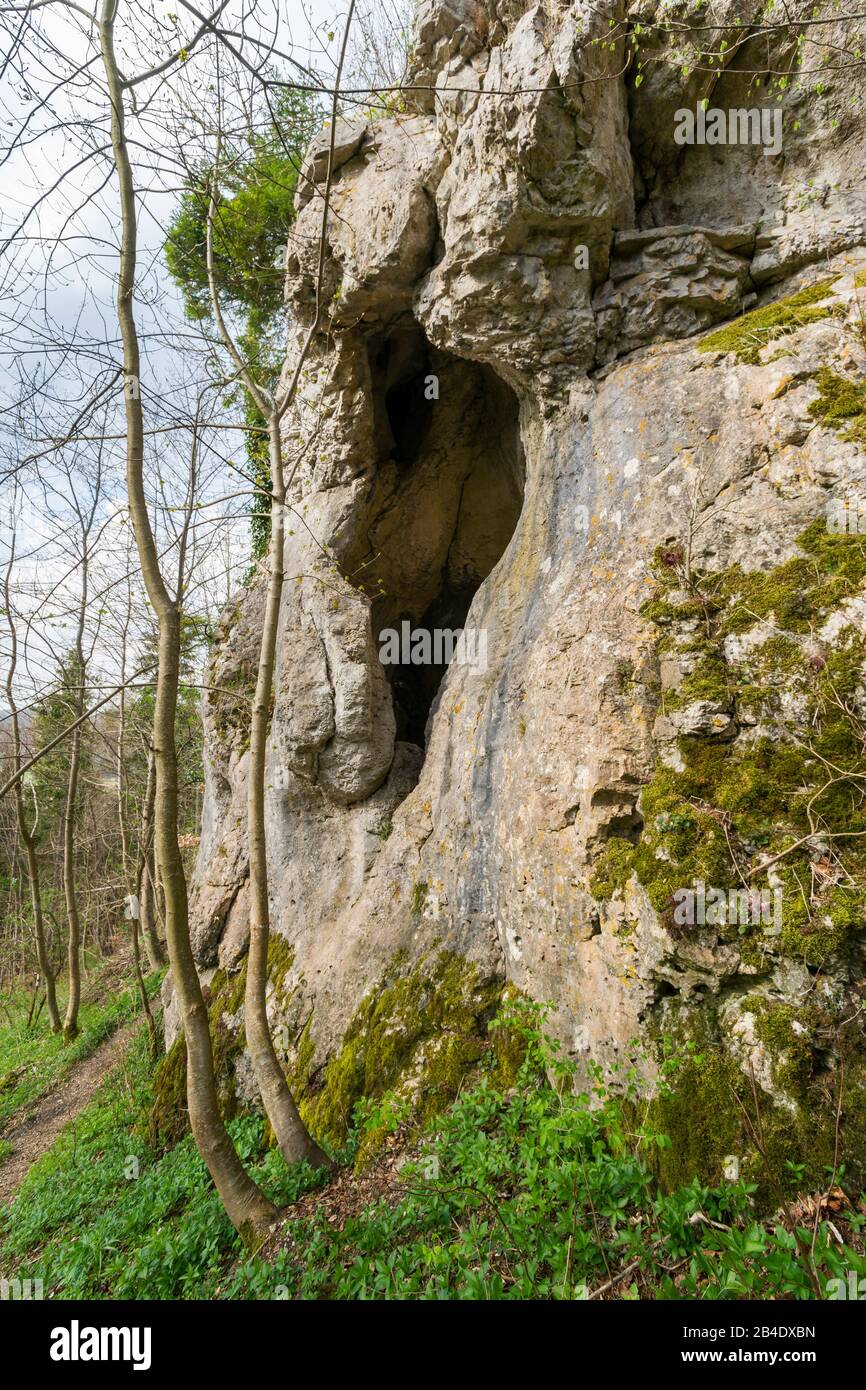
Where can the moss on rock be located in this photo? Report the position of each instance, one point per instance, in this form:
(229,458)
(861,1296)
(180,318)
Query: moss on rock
(745,337)
(700,1117)
(168,1117)
(730,807)
(715,1112)
(420,1031)
(841,404)
(798,593)
(781,807)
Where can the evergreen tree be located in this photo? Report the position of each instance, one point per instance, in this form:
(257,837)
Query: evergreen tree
(256,207)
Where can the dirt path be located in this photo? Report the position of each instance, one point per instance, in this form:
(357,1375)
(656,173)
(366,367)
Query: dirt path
(33,1130)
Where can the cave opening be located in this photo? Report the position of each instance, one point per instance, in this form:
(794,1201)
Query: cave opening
(400,367)
(448,497)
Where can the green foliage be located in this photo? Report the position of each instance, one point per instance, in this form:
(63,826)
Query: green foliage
(32,1060)
(100,1215)
(540,1191)
(254,211)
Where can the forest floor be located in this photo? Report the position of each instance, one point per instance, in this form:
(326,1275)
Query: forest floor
(45,1083)
(38,1124)
(519,1191)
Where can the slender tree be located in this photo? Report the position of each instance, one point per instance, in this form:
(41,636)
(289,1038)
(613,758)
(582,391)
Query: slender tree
(145,887)
(247,1207)
(26,830)
(271,404)
(85,512)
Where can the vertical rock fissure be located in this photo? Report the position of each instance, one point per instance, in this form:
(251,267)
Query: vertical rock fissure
(450,492)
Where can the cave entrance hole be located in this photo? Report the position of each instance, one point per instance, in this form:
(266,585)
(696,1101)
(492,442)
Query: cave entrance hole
(448,496)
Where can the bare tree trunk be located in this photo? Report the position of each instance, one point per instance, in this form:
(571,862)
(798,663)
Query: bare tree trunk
(120,763)
(248,1209)
(45,966)
(147,875)
(132,888)
(295,1143)
(70,1023)
(292,1136)
(27,833)
(142,988)
(70,894)
(136,888)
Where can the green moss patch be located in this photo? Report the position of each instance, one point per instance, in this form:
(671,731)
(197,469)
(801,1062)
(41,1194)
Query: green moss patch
(421,1031)
(797,594)
(713,1111)
(747,336)
(733,806)
(418,897)
(230,694)
(168,1116)
(842,405)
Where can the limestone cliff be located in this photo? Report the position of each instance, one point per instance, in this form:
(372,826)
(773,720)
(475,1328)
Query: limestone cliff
(536,408)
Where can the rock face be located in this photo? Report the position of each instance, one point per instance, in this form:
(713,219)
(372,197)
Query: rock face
(512,419)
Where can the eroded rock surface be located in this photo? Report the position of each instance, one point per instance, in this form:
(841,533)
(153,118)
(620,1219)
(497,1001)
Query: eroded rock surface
(496,431)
